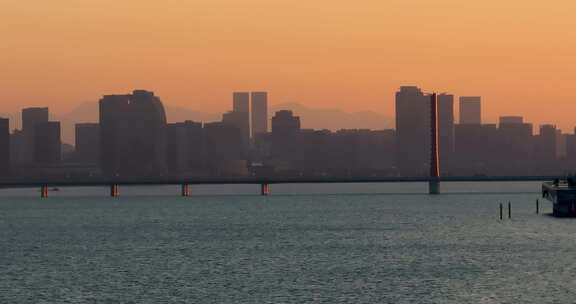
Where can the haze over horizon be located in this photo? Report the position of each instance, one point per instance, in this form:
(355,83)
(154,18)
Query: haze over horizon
(520,57)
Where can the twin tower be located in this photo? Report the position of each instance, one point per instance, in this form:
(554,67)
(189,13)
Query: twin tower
(254,108)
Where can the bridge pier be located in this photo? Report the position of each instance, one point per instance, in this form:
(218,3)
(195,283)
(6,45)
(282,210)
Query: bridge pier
(264,189)
(114,190)
(44,191)
(434,186)
(186,190)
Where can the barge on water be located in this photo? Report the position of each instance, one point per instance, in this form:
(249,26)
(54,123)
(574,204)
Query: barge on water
(562,194)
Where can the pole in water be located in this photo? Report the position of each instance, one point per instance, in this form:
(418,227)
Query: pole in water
(44,191)
(501,211)
(537,206)
(114,190)
(185,190)
(509,210)
(265,189)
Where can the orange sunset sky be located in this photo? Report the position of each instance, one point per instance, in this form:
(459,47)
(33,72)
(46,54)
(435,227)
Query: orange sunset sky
(520,56)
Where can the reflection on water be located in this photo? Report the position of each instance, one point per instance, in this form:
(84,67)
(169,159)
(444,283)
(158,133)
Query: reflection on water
(365,243)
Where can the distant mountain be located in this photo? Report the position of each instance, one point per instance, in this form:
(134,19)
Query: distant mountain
(333,119)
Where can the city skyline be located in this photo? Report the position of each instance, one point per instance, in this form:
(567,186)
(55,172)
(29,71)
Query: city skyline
(518,56)
(133,138)
(274,105)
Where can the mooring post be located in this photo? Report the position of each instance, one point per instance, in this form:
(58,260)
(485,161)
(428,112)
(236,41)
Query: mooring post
(44,191)
(537,206)
(509,210)
(265,189)
(114,190)
(185,190)
(501,211)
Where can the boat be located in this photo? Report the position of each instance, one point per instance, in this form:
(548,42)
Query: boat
(562,194)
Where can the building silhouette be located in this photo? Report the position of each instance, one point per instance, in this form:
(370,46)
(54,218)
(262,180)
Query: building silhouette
(412,131)
(546,149)
(132,135)
(31,117)
(346,152)
(571,151)
(470,110)
(446,131)
(259,107)
(240,115)
(225,154)
(185,149)
(133,140)
(4,147)
(176,148)
(195,147)
(47,143)
(87,143)
(17,147)
(514,146)
(285,137)
(475,149)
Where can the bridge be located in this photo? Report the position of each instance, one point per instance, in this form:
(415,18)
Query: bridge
(264,182)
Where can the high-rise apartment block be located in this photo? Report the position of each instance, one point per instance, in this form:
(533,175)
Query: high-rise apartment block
(87,142)
(47,143)
(31,117)
(470,110)
(132,135)
(259,106)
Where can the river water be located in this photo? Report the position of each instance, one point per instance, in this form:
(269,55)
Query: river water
(364,243)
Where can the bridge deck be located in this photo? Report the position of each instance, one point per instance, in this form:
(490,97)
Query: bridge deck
(259,180)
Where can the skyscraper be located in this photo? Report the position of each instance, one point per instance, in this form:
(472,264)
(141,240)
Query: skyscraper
(285,131)
(185,148)
(515,146)
(446,130)
(30,118)
(241,106)
(546,149)
(224,153)
(571,151)
(132,135)
(47,143)
(238,120)
(241,102)
(476,149)
(4,147)
(176,148)
(470,110)
(259,113)
(412,131)
(87,142)
(195,146)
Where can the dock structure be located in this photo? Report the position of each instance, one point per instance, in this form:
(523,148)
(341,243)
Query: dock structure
(434,182)
(562,194)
